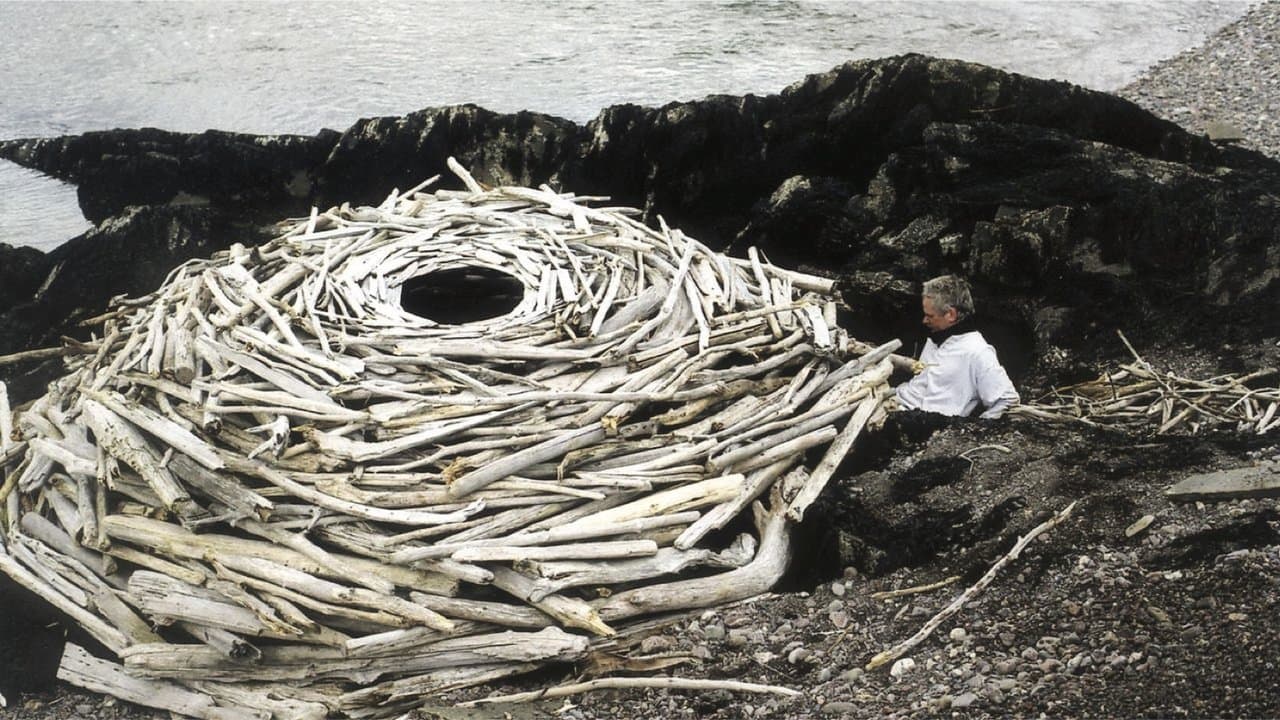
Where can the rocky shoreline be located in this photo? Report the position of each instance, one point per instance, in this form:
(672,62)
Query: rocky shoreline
(1232,78)
(1104,219)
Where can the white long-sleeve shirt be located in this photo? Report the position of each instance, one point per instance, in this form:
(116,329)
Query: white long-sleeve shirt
(957,375)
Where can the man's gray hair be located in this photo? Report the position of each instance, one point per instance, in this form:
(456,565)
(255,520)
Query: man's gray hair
(949,291)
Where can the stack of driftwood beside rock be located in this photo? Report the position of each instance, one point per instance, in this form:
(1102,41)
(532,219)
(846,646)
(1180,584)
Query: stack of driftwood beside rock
(1137,396)
(269,491)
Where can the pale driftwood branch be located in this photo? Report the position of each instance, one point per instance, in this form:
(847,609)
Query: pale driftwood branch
(177,542)
(914,590)
(30,355)
(81,669)
(104,633)
(836,453)
(128,446)
(569,611)
(901,648)
(6,421)
(631,683)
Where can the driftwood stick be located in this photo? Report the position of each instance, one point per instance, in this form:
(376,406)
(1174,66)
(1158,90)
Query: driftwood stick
(172,434)
(332,592)
(113,639)
(127,445)
(6,421)
(836,453)
(928,587)
(753,578)
(898,650)
(681,498)
(558,575)
(175,541)
(577,551)
(758,481)
(29,355)
(547,537)
(633,683)
(81,669)
(569,611)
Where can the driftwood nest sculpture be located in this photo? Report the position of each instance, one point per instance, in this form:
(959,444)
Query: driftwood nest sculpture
(270,491)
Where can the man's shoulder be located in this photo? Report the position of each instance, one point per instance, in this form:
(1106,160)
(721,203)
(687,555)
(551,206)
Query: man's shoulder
(971,341)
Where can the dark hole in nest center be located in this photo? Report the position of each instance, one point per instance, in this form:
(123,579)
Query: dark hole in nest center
(461,295)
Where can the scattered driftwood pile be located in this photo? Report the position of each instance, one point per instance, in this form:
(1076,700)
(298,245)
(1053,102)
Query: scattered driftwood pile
(271,492)
(1138,396)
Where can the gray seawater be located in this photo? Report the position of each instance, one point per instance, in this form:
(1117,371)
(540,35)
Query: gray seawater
(296,67)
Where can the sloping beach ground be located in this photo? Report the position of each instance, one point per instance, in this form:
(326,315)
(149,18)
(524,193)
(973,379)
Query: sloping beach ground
(1233,78)
(1132,606)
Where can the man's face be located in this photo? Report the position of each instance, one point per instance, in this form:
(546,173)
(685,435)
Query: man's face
(935,320)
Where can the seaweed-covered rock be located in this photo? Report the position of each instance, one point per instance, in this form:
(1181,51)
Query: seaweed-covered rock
(19,274)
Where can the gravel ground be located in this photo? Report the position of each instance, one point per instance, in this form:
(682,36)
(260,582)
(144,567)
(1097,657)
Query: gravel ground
(1233,78)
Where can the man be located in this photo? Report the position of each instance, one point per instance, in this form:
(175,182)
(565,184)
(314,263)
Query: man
(960,368)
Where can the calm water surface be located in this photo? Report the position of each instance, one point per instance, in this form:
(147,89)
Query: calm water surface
(297,67)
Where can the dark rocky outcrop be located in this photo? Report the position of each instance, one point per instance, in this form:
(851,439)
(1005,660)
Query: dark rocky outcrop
(234,172)
(1073,211)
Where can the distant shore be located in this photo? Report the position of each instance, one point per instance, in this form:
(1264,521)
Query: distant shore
(1232,78)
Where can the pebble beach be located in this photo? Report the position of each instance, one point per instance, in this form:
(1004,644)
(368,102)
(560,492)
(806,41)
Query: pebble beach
(1228,85)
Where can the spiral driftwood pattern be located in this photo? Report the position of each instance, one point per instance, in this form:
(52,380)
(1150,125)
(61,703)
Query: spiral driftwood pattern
(272,492)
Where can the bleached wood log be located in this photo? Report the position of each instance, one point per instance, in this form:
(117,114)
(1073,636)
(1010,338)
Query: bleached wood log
(296,663)
(168,599)
(577,551)
(332,592)
(711,491)
(6,421)
(127,445)
(557,576)
(175,541)
(87,491)
(64,509)
(220,488)
(164,429)
(300,543)
(77,581)
(566,610)
(758,576)
(36,469)
(406,694)
(283,702)
(836,453)
(546,537)
(58,539)
(518,461)
(493,613)
(405,517)
(329,616)
(632,683)
(157,564)
(228,643)
(81,669)
(757,483)
(111,638)
(64,456)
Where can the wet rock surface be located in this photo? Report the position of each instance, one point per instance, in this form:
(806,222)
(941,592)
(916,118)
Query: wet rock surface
(1076,213)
